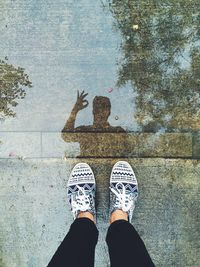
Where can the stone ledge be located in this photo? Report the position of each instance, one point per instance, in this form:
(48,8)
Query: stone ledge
(98,145)
(170,145)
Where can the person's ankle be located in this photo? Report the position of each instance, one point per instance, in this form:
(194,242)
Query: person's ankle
(86,214)
(118,215)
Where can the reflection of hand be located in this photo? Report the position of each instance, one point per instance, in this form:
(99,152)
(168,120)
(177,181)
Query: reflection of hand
(81,103)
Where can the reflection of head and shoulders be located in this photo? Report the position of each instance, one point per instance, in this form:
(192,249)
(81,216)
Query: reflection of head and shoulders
(101,113)
(99,139)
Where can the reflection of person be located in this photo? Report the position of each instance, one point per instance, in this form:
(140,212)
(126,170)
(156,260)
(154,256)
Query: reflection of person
(126,248)
(101,112)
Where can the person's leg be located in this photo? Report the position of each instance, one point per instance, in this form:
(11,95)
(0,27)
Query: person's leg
(78,247)
(126,248)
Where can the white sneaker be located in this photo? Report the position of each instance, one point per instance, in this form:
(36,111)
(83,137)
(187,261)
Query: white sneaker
(124,188)
(81,189)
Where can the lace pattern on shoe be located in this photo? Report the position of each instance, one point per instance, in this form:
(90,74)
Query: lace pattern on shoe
(123,198)
(81,201)
(81,188)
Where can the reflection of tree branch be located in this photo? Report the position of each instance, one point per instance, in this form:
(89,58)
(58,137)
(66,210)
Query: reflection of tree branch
(152,56)
(171,57)
(12,82)
(103,5)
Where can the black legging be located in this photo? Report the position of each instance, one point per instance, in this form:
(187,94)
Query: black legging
(126,248)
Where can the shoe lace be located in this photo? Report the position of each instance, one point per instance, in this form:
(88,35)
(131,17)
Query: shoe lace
(124,200)
(80,201)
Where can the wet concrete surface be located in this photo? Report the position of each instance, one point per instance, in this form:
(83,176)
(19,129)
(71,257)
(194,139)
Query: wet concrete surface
(35,215)
(99,80)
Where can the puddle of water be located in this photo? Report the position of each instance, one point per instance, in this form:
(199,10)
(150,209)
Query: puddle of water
(142,58)
(63,49)
(161,59)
